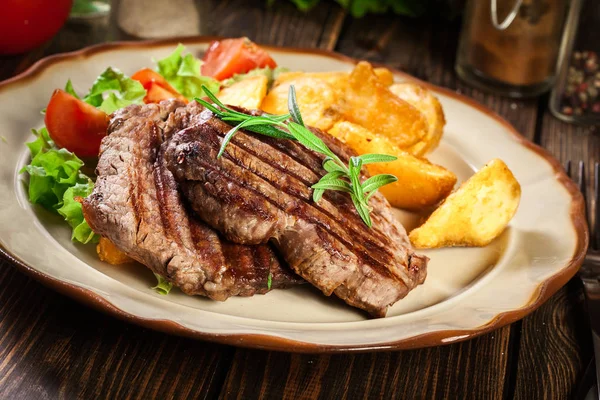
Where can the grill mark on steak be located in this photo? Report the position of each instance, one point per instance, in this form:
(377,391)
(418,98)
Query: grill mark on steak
(136,204)
(375,253)
(259,191)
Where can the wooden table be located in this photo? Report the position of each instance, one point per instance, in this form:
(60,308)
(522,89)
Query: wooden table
(51,346)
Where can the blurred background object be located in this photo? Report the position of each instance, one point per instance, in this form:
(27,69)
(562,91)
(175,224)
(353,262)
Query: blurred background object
(85,9)
(160,19)
(575,97)
(26,24)
(511,47)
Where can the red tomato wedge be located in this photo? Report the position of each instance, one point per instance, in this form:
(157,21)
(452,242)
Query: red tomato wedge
(228,57)
(152,81)
(74,124)
(156,93)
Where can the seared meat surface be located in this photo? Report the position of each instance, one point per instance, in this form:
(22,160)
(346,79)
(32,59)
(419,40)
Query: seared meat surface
(136,204)
(259,191)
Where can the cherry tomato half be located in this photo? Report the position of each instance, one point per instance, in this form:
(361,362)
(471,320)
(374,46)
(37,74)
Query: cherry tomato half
(228,57)
(156,86)
(75,125)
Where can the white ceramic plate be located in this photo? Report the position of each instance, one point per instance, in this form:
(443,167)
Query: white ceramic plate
(468,291)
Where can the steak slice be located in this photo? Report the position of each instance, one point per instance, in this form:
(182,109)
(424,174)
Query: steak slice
(259,190)
(136,204)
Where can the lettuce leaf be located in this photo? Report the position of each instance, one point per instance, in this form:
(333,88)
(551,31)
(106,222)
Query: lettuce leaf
(55,180)
(113,90)
(270,73)
(73,213)
(163,286)
(183,73)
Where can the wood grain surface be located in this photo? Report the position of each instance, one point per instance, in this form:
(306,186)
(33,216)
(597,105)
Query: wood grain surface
(52,347)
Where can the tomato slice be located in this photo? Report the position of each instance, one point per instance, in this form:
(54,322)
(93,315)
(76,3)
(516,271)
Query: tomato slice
(75,125)
(156,93)
(153,81)
(228,57)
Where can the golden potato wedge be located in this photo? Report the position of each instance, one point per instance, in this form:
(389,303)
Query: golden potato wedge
(108,252)
(317,100)
(368,103)
(336,78)
(420,183)
(385,76)
(476,213)
(430,107)
(248,93)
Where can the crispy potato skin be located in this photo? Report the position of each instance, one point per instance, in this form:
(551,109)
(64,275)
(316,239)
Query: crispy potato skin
(430,107)
(476,213)
(108,252)
(370,104)
(316,97)
(248,93)
(420,184)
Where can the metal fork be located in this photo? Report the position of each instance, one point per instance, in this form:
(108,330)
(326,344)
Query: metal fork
(590,270)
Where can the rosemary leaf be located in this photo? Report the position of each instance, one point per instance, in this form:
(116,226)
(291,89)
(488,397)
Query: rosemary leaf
(377,181)
(376,158)
(293,106)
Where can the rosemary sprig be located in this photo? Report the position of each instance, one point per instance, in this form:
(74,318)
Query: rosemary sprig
(340,177)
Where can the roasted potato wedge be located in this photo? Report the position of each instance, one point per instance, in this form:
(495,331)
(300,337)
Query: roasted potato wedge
(430,107)
(108,252)
(316,97)
(476,213)
(420,183)
(337,78)
(248,93)
(369,103)
(385,76)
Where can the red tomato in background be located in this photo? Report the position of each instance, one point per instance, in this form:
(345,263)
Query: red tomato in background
(26,24)
(75,125)
(156,86)
(228,57)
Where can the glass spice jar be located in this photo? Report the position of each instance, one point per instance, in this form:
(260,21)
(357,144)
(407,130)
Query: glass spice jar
(511,47)
(576,94)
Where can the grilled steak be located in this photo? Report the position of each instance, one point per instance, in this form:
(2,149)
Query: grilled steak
(136,204)
(259,190)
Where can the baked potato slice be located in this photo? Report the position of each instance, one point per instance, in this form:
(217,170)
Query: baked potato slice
(424,101)
(248,93)
(316,98)
(476,213)
(108,252)
(420,184)
(336,78)
(369,103)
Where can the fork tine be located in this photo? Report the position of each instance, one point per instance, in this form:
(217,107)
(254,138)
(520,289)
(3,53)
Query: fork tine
(596,226)
(568,168)
(581,182)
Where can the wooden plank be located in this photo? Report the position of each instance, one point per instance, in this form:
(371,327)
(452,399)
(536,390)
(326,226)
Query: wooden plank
(475,369)
(455,371)
(51,347)
(556,339)
(281,24)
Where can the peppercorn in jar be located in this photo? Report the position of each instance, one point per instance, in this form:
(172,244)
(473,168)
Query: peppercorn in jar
(576,94)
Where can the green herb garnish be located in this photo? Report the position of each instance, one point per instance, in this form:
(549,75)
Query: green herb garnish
(163,286)
(339,177)
(269,281)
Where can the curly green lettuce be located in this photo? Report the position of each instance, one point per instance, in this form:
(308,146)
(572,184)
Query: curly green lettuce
(183,73)
(112,90)
(163,286)
(56,180)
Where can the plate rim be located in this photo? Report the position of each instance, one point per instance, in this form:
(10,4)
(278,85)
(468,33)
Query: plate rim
(270,342)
